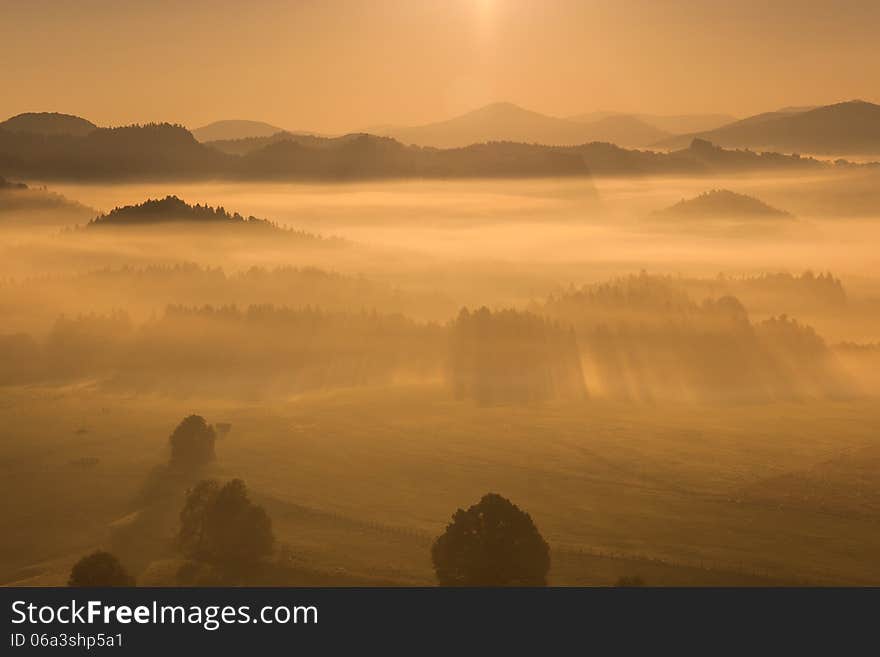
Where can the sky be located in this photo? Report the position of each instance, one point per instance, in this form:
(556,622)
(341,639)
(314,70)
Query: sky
(342,65)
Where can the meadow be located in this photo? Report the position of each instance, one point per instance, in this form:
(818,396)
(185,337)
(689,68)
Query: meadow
(359,480)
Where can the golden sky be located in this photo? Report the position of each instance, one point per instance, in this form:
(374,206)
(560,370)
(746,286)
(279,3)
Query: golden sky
(337,65)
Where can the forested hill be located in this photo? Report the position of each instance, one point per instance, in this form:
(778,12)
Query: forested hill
(48,123)
(19,201)
(173,209)
(723,203)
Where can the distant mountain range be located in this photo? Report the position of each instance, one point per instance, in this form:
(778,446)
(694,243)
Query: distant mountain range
(495,122)
(670,124)
(509,122)
(850,128)
(45,152)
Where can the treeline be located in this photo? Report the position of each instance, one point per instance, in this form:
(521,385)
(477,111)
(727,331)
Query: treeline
(146,290)
(600,158)
(281,348)
(366,156)
(508,356)
(641,294)
(643,337)
(490,357)
(165,150)
(226,349)
(772,293)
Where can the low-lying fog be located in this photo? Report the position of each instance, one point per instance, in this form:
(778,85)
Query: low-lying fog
(605,222)
(449,244)
(653,353)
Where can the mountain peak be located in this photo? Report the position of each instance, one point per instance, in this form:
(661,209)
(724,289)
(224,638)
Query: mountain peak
(504,106)
(503,109)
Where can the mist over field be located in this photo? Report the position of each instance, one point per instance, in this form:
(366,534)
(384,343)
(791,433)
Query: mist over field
(645,378)
(462,294)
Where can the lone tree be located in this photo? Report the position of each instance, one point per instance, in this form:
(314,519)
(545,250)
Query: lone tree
(99,569)
(192,443)
(493,543)
(220,525)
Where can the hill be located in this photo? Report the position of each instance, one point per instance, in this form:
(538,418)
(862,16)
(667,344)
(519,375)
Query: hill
(135,151)
(723,204)
(852,128)
(623,130)
(672,124)
(234,129)
(684,137)
(48,123)
(699,158)
(173,209)
(37,205)
(359,157)
(247,145)
(509,122)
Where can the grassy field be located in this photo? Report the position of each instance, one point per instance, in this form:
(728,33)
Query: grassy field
(359,481)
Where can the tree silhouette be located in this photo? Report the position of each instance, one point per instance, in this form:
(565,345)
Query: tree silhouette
(493,543)
(99,569)
(192,443)
(220,525)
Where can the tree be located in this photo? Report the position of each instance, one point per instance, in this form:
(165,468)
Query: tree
(192,443)
(199,499)
(99,569)
(220,525)
(493,543)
